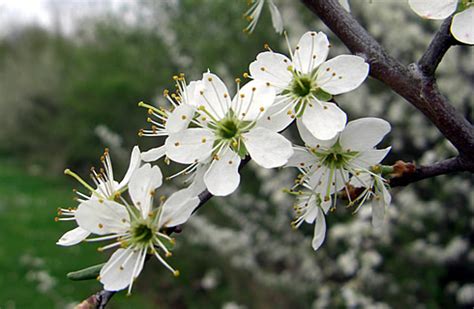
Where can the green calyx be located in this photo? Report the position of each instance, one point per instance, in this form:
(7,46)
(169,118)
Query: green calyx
(302,86)
(228,128)
(142,232)
(335,157)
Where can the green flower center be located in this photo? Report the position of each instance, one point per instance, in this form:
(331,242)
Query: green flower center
(302,86)
(142,232)
(228,128)
(335,157)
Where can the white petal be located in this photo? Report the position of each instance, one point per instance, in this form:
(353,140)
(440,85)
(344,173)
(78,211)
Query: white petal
(273,68)
(311,51)
(102,218)
(135,160)
(190,146)
(319,230)
(311,206)
(378,211)
(462,26)
(73,237)
(364,133)
(197,185)
(267,148)
(212,93)
(277,20)
(324,120)
(143,184)
(153,154)
(368,158)
(179,118)
(253,99)
(345,5)
(178,208)
(342,74)
(433,9)
(312,141)
(276,117)
(365,180)
(189,94)
(119,269)
(301,157)
(222,177)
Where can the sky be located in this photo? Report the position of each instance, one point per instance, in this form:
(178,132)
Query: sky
(49,12)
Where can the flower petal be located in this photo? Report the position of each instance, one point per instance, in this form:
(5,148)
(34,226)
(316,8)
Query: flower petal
(273,68)
(301,158)
(178,208)
(277,117)
(142,186)
(190,146)
(253,99)
(277,20)
(153,154)
(378,211)
(267,148)
(368,158)
(311,51)
(73,237)
(462,26)
(312,141)
(179,118)
(118,272)
(324,120)
(342,74)
(363,134)
(319,230)
(222,177)
(135,160)
(102,218)
(212,94)
(433,9)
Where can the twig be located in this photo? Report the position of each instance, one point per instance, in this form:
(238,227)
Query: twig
(447,166)
(438,47)
(410,82)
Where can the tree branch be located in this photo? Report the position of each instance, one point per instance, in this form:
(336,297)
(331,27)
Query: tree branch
(451,165)
(409,82)
(438,47)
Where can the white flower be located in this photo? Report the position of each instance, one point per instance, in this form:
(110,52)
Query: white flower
(227,130)
(462,26)
(306,83)
(327,167)
(165,122)
(137,228)
(106,189)
(253,14)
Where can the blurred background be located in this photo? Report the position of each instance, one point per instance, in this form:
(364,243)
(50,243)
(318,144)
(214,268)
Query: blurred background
(71,75)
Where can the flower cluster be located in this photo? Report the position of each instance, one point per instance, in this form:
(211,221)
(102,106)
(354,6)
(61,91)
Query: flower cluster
(211,132)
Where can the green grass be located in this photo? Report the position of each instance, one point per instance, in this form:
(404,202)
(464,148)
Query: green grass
(32,267)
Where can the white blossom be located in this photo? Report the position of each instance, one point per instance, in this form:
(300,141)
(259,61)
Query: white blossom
(305,84)
(165,122)
(226,131)
(462,25)
(106,189)
(136,228)
(327,166)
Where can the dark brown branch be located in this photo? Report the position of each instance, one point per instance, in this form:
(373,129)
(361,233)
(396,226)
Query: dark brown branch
(409,82)
(438,47)
(447,166)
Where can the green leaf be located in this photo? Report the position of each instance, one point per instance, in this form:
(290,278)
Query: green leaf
(86,273)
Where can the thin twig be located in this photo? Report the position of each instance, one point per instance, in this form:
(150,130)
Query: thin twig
(444,167)
(438,47)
